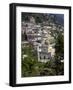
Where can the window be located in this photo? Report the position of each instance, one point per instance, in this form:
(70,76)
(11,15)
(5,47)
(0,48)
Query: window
(40,57)
(44,57)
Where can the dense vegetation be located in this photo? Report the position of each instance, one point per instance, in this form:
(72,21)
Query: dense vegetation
(39,18)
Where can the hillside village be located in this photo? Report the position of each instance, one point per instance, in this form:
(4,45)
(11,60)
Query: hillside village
(42,45)
(40,36)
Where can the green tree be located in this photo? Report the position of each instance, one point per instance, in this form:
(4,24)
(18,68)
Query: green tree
(59,54)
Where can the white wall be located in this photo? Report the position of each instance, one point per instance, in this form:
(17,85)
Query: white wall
(4,45)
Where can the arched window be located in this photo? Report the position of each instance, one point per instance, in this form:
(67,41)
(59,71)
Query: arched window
(44,57)
(25,36)
(40,57)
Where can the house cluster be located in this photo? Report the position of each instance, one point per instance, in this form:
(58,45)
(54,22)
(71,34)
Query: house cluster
(40,37)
